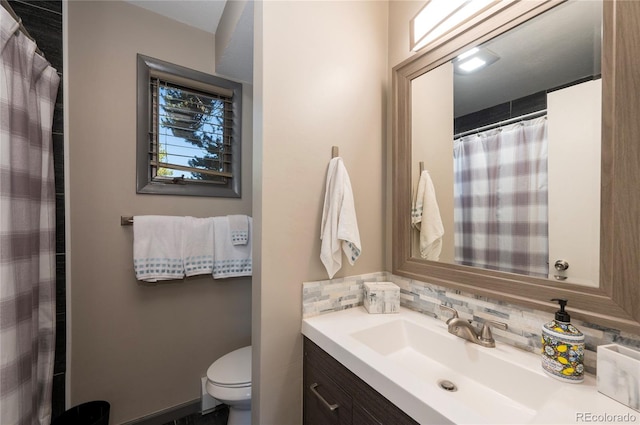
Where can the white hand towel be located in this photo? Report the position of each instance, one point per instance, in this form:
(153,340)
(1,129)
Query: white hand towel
(239,225)
(339,224)
(157,247)
(198,246)
(425,216)
(230,260)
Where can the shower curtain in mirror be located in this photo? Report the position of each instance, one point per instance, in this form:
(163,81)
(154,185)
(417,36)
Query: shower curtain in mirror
(28,87)
(500,198)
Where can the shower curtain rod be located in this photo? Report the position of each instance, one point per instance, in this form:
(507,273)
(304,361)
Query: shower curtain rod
(535,114)
(8,8)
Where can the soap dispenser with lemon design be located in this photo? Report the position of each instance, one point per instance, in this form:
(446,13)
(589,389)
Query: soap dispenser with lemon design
(563,347)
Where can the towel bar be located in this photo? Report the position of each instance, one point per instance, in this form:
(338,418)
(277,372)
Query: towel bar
(126,220)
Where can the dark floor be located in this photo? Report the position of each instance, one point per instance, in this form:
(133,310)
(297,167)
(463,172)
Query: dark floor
(217,417)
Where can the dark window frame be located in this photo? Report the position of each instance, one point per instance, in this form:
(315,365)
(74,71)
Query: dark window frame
(146,68)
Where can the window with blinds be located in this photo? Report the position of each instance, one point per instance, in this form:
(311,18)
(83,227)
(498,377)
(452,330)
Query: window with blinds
(191,131)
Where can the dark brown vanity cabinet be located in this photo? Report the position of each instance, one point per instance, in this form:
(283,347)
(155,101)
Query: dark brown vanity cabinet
(334,395)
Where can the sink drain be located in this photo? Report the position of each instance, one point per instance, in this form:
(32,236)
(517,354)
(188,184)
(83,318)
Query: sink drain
(447,385)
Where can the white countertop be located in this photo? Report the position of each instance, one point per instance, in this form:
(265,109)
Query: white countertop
(428,404)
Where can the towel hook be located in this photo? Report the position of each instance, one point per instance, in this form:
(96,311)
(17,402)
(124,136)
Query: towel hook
(334,152)
(421,166)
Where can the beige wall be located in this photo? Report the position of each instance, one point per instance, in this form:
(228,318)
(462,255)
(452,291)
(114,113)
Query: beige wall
(142,348)
(400,13)
(320,80)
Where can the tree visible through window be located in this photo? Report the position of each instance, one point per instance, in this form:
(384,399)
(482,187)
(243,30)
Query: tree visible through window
(188,131)
(192,135)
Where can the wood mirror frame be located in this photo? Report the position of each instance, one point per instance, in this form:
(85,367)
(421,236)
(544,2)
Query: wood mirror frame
(616,302)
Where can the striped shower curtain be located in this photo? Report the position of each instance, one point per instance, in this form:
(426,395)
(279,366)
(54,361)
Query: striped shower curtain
(500,198)
(28,87)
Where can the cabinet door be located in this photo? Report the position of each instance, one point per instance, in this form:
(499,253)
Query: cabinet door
(362,417)
(353,396)
(377,410)
(325,403)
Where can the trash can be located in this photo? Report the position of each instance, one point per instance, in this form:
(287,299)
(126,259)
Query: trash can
(90,413)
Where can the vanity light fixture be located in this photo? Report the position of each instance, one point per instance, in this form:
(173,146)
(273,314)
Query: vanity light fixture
(437,17)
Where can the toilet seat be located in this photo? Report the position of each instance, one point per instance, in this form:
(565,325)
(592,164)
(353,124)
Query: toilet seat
(229,382)
(233,370)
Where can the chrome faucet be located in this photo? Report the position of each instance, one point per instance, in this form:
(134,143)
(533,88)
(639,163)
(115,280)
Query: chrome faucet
(464,329)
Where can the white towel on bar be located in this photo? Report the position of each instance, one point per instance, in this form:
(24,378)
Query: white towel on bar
(339,228)
(230,260)
(157,247)
(239,226)
(425,216)
(198,246)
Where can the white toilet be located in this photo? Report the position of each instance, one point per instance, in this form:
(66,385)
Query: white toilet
(229,381)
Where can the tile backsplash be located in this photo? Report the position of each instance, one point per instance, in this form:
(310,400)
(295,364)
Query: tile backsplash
(325,296)
(524,332)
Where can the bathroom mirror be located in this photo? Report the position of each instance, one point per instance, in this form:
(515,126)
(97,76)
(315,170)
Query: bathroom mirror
(501,187)
(614,300)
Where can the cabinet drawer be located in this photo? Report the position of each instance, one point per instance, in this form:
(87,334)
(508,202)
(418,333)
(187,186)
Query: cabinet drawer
(362,404)
(325,403)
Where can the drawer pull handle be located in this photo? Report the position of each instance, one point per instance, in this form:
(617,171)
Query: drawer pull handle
(331,407)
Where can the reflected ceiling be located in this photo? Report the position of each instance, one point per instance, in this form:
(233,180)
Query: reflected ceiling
(524,53)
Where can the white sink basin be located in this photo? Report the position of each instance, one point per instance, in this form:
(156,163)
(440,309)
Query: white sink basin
(490,386)
(404,357)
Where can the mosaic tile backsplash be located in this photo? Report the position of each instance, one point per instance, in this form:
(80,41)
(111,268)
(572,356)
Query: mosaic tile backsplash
(524,323)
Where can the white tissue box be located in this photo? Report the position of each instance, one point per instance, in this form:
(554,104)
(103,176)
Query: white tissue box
(381,297)
(618,374)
